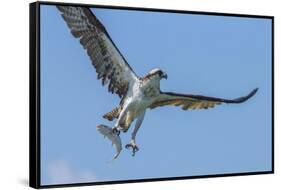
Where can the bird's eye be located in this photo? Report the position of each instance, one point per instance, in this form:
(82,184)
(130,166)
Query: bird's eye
(160,73)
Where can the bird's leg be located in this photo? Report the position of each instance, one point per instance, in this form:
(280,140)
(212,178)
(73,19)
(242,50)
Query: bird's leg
(132,144)
(118,125)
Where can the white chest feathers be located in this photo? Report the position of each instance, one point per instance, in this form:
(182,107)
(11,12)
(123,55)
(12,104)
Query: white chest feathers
(151,88)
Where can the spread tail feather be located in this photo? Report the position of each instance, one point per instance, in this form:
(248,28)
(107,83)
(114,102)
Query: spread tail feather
(114,114)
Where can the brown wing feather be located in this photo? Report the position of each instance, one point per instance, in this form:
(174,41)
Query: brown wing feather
(110,65)
(187,101)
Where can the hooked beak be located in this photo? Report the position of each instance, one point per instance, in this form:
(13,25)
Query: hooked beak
(165,76)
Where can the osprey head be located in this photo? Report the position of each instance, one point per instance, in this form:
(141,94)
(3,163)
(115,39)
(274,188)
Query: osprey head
(156,73)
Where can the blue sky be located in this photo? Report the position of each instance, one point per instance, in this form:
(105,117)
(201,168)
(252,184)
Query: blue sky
(210,55)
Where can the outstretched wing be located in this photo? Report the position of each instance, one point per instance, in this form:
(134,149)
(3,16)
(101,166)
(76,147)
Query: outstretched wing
(109,63)
(187,101)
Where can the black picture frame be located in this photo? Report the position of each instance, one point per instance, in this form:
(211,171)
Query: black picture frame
(34,98)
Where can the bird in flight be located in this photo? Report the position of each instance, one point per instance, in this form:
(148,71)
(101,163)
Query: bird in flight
(137,93)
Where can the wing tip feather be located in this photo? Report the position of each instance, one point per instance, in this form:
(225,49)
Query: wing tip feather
(245,98)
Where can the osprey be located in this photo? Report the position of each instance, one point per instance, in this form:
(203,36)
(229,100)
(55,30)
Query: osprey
(137,93)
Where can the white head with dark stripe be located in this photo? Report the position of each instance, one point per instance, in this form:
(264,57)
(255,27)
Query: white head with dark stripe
(155,74)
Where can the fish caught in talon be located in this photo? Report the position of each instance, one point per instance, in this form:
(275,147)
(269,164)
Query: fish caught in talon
(112,136)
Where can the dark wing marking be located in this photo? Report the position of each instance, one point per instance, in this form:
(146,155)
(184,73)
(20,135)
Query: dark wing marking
(187,101)
(109,63)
